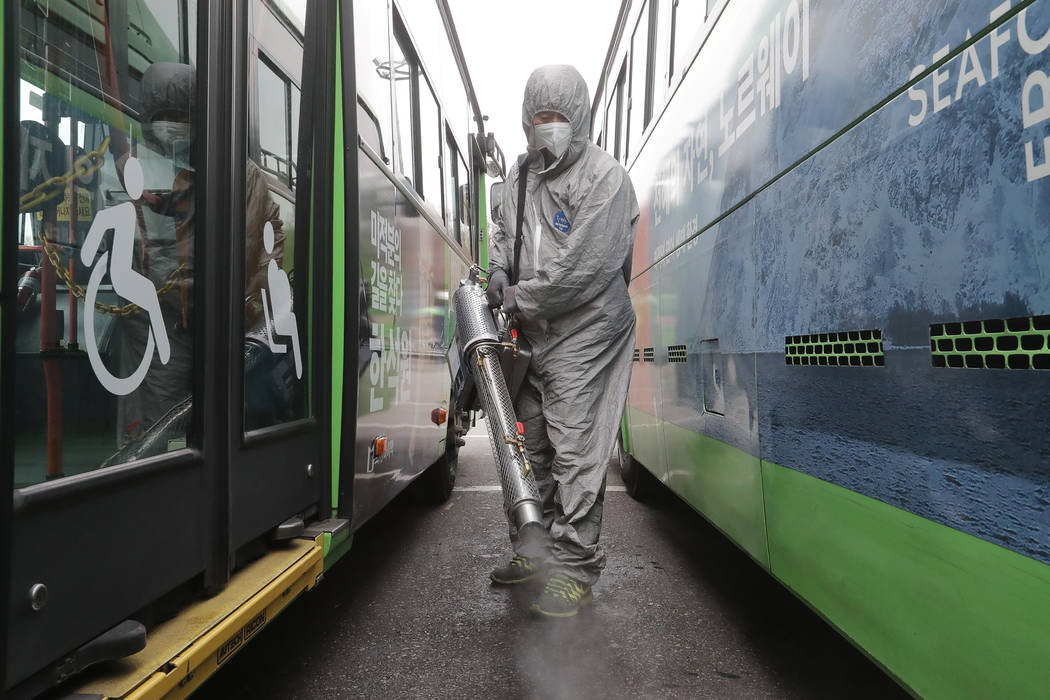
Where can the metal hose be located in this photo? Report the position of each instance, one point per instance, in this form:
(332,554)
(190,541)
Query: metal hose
(481,347)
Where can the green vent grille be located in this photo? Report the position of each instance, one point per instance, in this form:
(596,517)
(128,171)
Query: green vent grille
(841,348)
(648,354)
(634,358)
(1012,343)
(676,353)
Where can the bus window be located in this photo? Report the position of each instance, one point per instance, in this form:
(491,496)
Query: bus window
(464,193)
(372,54)
(105,334)
(610,123)
(403,73)
(598,129)
(429,144)
(464,201)
(662,53)
(453,179)
(640,103)
(275,132)
(619,116)
(368,129)
(275,318)
(647,27)
(687,19)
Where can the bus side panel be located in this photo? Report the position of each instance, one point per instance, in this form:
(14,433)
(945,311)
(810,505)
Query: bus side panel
(927,214)
(375,479)
(708,395)
(404,376)
(906,227)
(902,229)
(949,615)
(423,375)
(643,393)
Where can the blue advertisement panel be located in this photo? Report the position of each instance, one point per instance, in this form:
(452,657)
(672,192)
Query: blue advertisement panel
(774,82)
(931,212)
(895,163)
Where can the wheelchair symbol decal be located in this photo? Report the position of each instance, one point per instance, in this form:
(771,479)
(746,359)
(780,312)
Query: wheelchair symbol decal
(280,298)
(127,283)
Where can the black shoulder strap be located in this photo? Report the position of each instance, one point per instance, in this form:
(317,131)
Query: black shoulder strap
(523,179)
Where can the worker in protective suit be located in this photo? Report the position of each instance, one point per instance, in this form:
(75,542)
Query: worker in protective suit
(570,294)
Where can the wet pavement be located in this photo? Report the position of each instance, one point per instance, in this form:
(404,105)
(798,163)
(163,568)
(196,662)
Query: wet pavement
(680,612)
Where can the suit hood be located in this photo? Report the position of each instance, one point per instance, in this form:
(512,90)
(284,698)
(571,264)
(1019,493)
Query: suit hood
(561,89)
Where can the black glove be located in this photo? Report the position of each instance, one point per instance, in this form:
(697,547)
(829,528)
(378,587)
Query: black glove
(498,281)
(510,300)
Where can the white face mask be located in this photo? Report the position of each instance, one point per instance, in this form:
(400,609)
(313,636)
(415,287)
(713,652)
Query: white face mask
(170,132)
(555,137)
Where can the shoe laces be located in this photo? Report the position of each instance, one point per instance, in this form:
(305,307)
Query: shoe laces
(522,562)
(564,587)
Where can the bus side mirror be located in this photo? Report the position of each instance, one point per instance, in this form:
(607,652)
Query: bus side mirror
(495,199)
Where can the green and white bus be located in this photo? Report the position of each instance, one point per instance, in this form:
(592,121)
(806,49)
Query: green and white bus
(843,309)
(229,234)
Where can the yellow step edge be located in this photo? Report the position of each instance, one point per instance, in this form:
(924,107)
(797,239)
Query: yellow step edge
(186,671)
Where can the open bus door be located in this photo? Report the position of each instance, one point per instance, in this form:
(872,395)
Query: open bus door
(114,503)
(162,406)
(278,466)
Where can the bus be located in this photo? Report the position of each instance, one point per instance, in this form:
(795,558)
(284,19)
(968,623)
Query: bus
(843,309)
(230,232)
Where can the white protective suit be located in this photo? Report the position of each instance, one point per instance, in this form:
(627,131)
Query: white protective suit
(579,225)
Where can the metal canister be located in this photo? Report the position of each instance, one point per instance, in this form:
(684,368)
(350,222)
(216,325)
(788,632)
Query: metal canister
(480,351)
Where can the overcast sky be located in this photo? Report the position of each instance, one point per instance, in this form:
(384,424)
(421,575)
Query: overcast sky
(506,39)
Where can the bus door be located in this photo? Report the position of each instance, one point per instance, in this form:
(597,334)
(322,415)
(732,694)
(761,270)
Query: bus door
(105,414)
(277,474)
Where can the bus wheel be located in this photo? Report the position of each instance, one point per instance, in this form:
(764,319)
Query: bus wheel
(439,479)
(638,480)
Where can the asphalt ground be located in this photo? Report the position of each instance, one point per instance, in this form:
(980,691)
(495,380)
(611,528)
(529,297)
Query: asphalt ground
(679,612)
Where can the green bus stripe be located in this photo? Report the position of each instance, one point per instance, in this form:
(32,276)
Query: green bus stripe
(722,482)
(948,614)
(338,268)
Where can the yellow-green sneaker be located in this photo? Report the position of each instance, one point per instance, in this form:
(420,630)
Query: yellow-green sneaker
(517,570)
(562,597)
